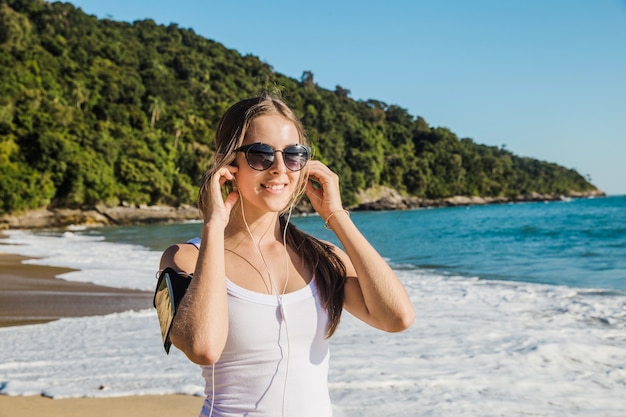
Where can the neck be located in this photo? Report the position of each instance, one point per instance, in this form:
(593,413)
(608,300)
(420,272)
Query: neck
(245,224)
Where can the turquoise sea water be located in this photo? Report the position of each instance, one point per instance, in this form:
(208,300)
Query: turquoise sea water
(577,243)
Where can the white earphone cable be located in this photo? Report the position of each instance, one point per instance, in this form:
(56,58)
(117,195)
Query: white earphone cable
(212,389)
(279,295)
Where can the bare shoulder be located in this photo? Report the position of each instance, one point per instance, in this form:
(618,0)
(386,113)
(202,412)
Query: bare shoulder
(181,257)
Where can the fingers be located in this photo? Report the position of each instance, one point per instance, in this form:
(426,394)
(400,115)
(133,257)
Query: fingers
(322,175)
(230,201)
(226,174)
(322,189)
(215,204)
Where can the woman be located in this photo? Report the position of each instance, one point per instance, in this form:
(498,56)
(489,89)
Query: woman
(265,297)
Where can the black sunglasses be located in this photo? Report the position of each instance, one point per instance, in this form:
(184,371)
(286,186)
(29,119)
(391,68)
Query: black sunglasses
(260,156)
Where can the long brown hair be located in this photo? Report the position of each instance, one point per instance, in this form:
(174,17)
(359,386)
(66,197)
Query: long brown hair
(330,272)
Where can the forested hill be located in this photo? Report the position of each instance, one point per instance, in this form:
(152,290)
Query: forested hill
(98,111)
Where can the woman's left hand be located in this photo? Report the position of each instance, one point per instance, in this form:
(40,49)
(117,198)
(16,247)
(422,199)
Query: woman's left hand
(322,189)
(373,293)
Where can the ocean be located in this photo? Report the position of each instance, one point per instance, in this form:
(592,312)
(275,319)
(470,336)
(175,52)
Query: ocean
(521,311)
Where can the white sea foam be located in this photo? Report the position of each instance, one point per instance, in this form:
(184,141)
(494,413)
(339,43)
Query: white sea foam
(98,261)
(477,348)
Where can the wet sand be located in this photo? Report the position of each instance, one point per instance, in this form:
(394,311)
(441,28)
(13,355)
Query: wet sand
(31,294)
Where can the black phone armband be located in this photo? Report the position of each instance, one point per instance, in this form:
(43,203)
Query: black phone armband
(170,290)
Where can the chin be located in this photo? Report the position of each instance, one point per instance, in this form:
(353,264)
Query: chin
(278,208)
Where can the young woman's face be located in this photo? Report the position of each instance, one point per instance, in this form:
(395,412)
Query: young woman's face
(270,189)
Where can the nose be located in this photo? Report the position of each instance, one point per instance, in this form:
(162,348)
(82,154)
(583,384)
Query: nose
(278,165)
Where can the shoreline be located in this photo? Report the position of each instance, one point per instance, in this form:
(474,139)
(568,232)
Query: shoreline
(502,311)
(374,199)
(33,294)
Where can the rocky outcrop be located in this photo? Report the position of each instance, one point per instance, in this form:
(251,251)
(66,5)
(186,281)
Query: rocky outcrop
(373,199)
(99,216)
(384,198)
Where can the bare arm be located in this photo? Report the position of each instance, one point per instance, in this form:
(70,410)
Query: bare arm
(373,292)
(200,327)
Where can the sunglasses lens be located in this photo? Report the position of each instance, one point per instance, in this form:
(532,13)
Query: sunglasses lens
(296,157)
(260,157)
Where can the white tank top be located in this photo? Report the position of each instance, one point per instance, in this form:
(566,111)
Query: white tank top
(276,356)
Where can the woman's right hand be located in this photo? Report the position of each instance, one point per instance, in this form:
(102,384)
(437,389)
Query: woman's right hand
(214,205)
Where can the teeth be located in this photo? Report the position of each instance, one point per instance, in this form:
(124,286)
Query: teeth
(275,187)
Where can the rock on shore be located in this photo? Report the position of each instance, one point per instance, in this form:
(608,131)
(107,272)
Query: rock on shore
(99,216)
(376,198)
(384,198)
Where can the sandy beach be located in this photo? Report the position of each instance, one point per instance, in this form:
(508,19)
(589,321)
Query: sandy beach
(32,294)
(139,406)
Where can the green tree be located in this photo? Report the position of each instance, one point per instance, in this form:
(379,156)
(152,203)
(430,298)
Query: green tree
(98,111)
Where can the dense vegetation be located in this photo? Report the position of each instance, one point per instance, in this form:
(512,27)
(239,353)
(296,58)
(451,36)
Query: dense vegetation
(98,111)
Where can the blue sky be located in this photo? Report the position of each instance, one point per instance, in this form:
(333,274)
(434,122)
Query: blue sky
(547,79)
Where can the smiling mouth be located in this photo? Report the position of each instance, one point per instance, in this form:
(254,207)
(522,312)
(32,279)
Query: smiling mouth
(274,187)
